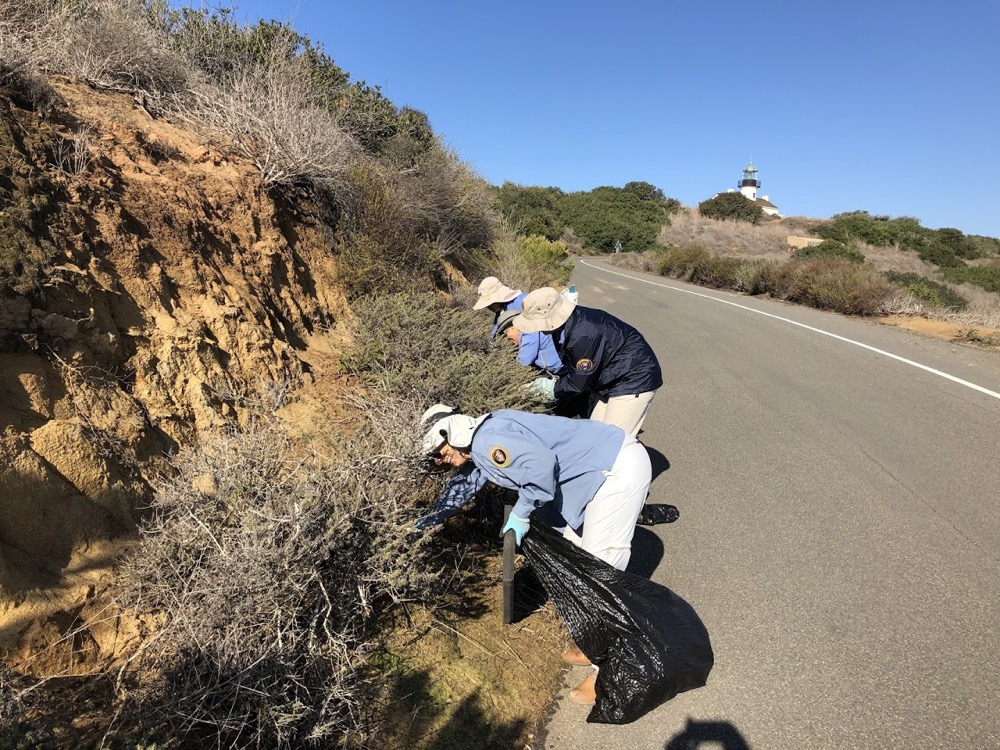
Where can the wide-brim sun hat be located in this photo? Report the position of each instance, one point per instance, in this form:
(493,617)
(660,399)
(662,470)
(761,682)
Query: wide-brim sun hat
(491,291)
(544,309)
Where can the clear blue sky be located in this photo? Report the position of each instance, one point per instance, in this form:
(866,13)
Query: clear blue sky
(888,106)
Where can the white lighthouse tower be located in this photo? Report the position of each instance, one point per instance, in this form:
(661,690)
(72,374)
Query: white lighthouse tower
(749,184)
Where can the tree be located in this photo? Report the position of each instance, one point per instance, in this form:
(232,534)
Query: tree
(534,209)
(734,206)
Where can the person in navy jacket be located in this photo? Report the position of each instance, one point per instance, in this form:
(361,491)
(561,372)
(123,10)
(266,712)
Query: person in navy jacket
(602,355)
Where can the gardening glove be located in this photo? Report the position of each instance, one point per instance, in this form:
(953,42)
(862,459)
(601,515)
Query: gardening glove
(518,525)
(543,388)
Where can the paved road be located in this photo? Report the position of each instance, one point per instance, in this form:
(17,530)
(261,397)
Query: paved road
(839,530)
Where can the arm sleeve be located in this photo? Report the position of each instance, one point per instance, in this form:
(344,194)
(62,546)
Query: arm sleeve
(576,379)
(548,355)
(527,349)
(461,488)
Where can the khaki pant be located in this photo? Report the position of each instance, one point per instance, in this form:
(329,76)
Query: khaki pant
(627,412)
(609,519)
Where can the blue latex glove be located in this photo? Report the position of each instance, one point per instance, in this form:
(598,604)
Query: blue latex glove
(518,525)
(543,388)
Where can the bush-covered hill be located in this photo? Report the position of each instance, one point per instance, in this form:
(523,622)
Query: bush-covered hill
(203,227)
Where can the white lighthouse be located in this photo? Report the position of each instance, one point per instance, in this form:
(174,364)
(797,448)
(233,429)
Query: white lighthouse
(749,184)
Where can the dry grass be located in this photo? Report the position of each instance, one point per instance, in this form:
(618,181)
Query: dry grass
(688,227)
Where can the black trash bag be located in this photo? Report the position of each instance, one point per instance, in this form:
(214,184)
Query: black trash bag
(649,643)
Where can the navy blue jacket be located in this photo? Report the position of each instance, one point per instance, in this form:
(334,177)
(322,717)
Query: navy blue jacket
(604,355)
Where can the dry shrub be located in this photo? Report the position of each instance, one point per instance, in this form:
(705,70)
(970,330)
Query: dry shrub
(273,573)
(398,224)
(113,44)
(834,284)
(71,153)
(268,107)
(22,54)
(422,350)
(439,196)
(642,262)
(377,251)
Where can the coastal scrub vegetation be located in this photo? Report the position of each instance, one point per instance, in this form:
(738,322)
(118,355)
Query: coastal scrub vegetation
(899,266)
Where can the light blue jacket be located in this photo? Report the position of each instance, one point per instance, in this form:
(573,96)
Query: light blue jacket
(555,464)
(534,349)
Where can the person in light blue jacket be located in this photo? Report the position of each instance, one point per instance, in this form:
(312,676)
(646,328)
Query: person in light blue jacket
(536,349)
(587,479)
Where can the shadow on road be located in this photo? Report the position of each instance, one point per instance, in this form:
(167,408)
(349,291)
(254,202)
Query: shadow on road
(647,551)
(714,734)
(658,461)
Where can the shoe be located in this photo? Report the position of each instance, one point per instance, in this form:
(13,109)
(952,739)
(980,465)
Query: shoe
(573,655)
(654,513)
(586,692)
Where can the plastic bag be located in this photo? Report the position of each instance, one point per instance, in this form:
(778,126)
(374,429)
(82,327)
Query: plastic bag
(649,643)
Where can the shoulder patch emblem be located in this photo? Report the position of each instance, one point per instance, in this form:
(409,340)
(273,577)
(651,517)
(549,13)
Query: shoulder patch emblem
(499,457)
(584,365)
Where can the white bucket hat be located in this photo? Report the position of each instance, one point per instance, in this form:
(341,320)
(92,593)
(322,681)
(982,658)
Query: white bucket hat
(544,309)
(492,290)
(444,425)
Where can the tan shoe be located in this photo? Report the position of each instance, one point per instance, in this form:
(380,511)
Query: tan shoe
(586,692)
(573,655)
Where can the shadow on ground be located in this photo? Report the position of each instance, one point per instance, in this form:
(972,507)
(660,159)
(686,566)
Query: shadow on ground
(705,735)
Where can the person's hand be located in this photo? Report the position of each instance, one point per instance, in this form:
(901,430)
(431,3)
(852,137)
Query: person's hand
(518,525)
(543,388)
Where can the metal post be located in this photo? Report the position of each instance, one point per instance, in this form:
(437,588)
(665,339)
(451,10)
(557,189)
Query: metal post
(507,578)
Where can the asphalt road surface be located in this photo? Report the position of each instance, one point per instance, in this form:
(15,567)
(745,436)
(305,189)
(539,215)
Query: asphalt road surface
(839,489)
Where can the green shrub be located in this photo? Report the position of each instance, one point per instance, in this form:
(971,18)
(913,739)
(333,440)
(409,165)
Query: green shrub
(833,249)
(681,262)
(608,217)
(755,276)
(29,204)
(367,265)
(601,218)
(521,262)
(987,277)
(718,271)
(420,349)
(931,292)
(733,206)
(533,210)
(939,254)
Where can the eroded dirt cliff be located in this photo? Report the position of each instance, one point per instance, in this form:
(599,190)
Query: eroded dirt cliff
(150,286)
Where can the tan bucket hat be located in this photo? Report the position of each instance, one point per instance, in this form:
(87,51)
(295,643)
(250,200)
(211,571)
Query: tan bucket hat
(491,290)
(544,309)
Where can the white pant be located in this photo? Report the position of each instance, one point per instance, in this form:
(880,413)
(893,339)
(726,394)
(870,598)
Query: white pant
(627,412)
(609,519)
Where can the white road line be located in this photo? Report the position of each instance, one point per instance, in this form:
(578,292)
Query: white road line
(931,370)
